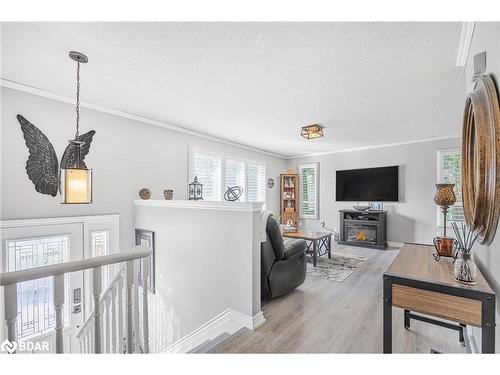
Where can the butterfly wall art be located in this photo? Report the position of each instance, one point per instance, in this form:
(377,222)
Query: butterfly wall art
(42,166)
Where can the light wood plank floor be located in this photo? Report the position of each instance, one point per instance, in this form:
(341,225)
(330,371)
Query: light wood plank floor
(324,316)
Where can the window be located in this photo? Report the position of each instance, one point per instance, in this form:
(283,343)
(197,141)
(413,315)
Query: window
(99,244)
(309,190)
(208,168)
(449,170)
(35,298)
(218,171)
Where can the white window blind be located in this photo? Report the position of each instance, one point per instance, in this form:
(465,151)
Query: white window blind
(309,190)
(235,175)
(217,171)
(256,183)
(208,169)
(450,171)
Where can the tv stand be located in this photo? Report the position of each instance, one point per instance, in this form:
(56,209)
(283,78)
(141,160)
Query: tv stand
(363,228)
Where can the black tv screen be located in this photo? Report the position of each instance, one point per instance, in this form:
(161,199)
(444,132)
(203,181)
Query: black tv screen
(369,184)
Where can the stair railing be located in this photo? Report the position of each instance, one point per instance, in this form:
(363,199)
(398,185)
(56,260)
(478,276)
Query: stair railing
(94,341)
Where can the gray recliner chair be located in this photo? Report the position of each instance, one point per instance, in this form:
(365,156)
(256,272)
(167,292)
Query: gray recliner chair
(283,263)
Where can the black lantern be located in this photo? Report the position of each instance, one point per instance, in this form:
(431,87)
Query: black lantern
(195,190)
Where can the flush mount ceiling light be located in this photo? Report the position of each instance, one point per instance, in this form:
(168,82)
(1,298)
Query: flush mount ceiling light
(312,131)
(77,177)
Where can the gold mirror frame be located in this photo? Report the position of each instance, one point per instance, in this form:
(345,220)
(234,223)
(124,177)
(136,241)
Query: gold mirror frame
(480,159)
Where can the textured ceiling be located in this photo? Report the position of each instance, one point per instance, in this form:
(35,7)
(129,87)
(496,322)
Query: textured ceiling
(257,83)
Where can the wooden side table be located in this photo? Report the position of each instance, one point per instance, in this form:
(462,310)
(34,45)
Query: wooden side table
(318,243)
(416,282)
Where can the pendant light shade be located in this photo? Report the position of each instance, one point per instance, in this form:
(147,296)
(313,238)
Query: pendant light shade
(77,178)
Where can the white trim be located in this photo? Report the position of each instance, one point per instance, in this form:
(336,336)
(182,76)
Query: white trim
(395,244)
(57,220)
(374,146)
(131,116)
(466,35)
(202,205)
(229,321)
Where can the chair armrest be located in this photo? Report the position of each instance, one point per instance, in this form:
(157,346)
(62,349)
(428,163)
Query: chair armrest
(294,247)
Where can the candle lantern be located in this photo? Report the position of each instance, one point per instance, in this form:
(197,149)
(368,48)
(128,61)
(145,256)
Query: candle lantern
(195,190)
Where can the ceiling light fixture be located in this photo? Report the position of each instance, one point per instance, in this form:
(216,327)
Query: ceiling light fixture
(312,131)
(77,177)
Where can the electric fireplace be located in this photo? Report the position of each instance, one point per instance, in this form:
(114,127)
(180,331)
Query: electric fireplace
(363,228)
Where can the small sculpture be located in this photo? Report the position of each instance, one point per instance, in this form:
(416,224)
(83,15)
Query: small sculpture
(145,193)
(270,183)
(233,193)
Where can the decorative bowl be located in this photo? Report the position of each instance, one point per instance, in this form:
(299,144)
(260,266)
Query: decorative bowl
(361,208)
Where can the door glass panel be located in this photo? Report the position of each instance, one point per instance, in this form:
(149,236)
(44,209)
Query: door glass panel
(99,244)
(35,304)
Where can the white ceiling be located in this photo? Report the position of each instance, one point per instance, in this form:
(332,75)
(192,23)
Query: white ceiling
(257,83)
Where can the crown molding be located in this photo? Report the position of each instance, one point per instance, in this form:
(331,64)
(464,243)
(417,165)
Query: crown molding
(131,116)
(465,42)
(375,146)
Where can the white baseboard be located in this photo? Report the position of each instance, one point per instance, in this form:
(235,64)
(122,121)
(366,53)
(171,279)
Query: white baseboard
(229,321)
(395,244)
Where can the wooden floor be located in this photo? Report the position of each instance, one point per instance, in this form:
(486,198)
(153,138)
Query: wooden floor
(324,316)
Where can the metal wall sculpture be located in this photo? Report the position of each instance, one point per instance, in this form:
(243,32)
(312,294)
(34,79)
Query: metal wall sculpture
(481,159)
(233,193)
(42,165)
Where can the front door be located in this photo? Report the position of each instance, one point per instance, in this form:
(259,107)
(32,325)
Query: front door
(39,245)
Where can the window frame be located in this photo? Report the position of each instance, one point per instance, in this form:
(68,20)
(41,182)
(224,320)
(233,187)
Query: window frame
(224,157)
(316,167)
(439,212)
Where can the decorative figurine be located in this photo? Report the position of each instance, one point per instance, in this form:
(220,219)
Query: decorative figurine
(233,193)
(145,193)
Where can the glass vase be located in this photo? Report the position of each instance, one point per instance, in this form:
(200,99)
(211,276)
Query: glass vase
(464,268)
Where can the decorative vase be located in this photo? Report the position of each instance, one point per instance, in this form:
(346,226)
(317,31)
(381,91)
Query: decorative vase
(464,267)
(168,194)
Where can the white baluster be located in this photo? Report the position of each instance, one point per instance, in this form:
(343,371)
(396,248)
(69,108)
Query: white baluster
(11,311)
(58,305)
(114,339)
(145,322)
(107,303)
(130,284)
(135,306)
(120,314)
(97,271)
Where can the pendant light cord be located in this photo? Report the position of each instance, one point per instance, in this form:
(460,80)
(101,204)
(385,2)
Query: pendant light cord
(77,101)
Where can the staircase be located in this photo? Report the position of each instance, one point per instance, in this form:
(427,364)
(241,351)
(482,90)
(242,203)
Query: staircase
(119,320)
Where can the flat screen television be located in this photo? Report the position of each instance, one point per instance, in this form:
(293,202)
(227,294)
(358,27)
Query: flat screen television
(369,184)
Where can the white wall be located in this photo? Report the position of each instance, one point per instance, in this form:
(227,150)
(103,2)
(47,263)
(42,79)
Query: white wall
(126,155)
(207,261)
(487,38)
(414,217)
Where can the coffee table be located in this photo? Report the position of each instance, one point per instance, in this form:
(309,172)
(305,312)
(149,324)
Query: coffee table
(318,243)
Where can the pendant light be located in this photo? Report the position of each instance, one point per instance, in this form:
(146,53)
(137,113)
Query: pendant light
(77,178)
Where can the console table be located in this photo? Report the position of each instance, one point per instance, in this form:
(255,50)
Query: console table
(416,282)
